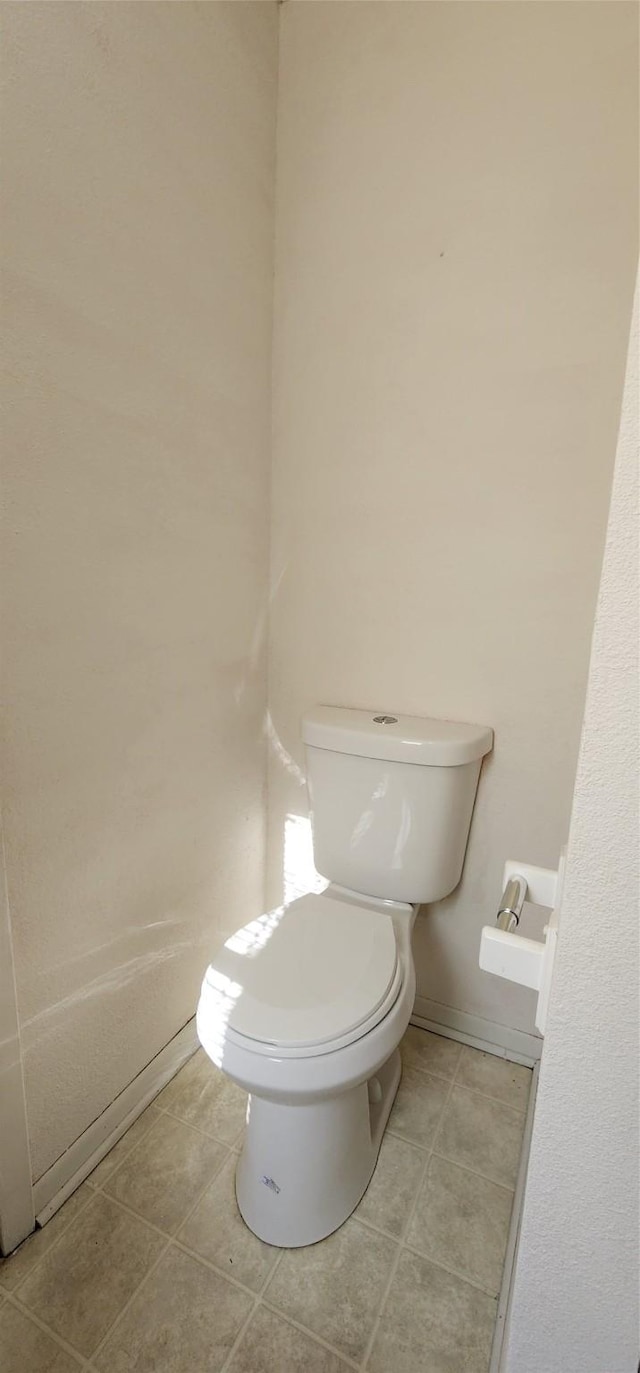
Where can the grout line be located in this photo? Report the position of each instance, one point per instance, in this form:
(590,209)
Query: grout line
(256,1304)
(444,1111)
(304,1330)
(448,1268)
(39,1229)
(101,1344)
(198,1128)
(174,1237)
(241,1333)
(412,1063)
(497,1101)
(429,1072)
(377,1229)
(15,1301)
(422,1148)
(101,1186)
(430,1155)
(405,1230)
(436,1153)
(130,1210)
(411,1066)
(446,1158)
(412,1209)
(220,1272)
(272,1271)
(169,1240)
(478,1091)
(394,1265)
(499,1182)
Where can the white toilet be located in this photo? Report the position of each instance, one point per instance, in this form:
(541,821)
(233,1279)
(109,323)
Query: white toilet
(305,1007)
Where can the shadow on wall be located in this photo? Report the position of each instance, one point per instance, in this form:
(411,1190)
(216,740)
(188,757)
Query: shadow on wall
(448,985)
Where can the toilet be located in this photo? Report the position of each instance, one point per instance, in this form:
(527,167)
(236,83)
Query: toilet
(305,1007)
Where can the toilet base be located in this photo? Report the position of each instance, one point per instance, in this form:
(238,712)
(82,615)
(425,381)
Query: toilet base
(303,1169)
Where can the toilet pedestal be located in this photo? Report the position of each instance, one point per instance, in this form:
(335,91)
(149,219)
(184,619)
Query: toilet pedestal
(303,1169)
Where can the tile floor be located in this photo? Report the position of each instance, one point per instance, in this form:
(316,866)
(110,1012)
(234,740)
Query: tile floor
(149,1268)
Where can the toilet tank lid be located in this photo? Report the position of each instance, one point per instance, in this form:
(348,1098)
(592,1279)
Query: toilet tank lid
(395,738)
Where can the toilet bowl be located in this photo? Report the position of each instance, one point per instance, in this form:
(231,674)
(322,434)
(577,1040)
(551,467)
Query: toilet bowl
(316,1048)
(305,1007)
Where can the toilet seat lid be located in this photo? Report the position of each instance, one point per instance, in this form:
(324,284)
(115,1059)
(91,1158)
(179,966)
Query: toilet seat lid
(309,973)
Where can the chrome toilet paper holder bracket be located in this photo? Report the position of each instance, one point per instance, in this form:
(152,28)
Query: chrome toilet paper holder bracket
(513,899)
(508,954)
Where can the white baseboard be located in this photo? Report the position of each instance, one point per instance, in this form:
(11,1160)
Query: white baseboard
(515,1045)
(68,1171)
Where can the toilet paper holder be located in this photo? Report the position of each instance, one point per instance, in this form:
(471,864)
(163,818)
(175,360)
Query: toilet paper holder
(508,954)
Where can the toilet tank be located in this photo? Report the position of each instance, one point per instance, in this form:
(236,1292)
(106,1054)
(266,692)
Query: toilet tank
(391,799)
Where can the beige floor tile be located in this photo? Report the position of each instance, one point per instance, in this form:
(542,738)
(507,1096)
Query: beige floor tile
(482,1135)
(164,1175)
(433,1053)
(14,1269)
(81,1285)
(201,1095)
(462,1221)
(432,1321)
(496,1077)
(184,1320)
(124,1146)
(418,1107)
(236,1147)
(217,1231)
(335,1288)
(24,1348)
(393,1187)
(271,1345)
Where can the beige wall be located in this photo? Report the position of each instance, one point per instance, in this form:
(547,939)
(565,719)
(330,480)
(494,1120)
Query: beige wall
(137,239)
(575,1302)
(455,258)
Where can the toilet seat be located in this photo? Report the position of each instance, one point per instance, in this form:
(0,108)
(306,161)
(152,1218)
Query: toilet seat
(308,978)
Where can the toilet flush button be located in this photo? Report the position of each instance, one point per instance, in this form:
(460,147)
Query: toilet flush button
(385,719)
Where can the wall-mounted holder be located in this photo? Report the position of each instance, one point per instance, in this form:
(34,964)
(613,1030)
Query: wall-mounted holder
(511,955)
